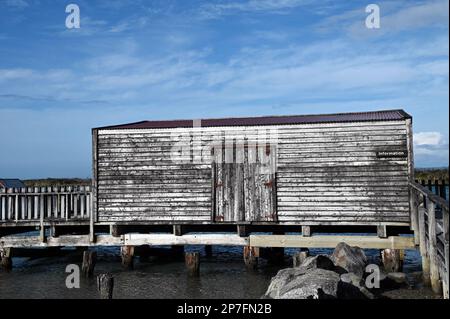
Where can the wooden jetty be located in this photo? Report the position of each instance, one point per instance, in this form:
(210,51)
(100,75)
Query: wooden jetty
(252,182)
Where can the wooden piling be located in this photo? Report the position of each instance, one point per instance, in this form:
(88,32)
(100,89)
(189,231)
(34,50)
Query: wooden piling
(127,253)
(115,230)
(242,231)
(299,257)
(178,230)
(192,260)
(6,262)
(89,260)
(382,231)
(432,248)
(105,286)
(423,248)
(392,260)
(250,257)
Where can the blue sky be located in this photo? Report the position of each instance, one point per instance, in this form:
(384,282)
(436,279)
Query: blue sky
(165,59)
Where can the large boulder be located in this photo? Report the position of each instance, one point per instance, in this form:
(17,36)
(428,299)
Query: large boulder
(318,262)
(352,259)
(282,278)
(313,284)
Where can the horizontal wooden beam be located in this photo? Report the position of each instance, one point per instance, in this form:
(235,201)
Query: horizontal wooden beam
(319,241)
(128,239)
(325,241)
(188,239)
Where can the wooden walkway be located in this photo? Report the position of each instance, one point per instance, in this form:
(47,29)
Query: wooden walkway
(43,210)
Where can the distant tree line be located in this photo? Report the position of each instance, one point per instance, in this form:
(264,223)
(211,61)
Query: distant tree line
(432,174)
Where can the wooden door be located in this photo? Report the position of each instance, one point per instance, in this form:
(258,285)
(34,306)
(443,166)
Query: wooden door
(244,183)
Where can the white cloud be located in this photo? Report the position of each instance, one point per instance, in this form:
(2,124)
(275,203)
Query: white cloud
(17,3)
(395,17)
(214,10)
(428,138)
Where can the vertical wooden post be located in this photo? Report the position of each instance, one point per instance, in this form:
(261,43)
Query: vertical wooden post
(89,260)
(29,212)
(62,198)
(105,286)
(42,216)
(306,231)
(115,230)
(10,213)
(94,211)
(23,203)
(36,204)
(423,248)
(127,253)
(49,202)
(192,261)
(446,280)
(414,214)
(177,230)
(5,254)
(392,260)
(382,231)
(251,257)
(16,206)
(3,201)
(432,248)
(242,230)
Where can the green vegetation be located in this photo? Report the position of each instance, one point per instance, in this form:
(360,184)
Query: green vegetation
(431,173)
(57,182)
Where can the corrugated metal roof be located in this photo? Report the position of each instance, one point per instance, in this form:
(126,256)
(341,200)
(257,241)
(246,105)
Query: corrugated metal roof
(388,115)
(11,183)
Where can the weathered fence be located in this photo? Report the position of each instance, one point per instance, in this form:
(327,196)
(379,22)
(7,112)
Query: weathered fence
(45,203)
(430,221)
(438,187)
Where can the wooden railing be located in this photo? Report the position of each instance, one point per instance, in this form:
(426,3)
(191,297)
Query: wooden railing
(430,222)
(436,186)
(45,203)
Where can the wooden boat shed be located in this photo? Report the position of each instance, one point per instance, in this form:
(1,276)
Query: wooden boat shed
(334,169)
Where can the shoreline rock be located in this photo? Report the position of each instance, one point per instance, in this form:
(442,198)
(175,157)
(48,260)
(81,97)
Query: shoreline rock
(340,276)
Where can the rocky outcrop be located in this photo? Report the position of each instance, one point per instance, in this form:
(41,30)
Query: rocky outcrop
(352,259)
(340,276)
(318,262)
(302,283)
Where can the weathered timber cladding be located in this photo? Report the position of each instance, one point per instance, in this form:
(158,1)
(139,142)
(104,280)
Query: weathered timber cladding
(325,172)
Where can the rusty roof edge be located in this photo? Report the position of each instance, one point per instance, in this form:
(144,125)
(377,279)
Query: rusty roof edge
(403,113)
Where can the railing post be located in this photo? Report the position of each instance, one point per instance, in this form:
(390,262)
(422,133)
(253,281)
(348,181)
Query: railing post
(432,247)
(10,213)
(42,214)
(36,203)
(3,204)
(414,210)
(423,248)
(446,251)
